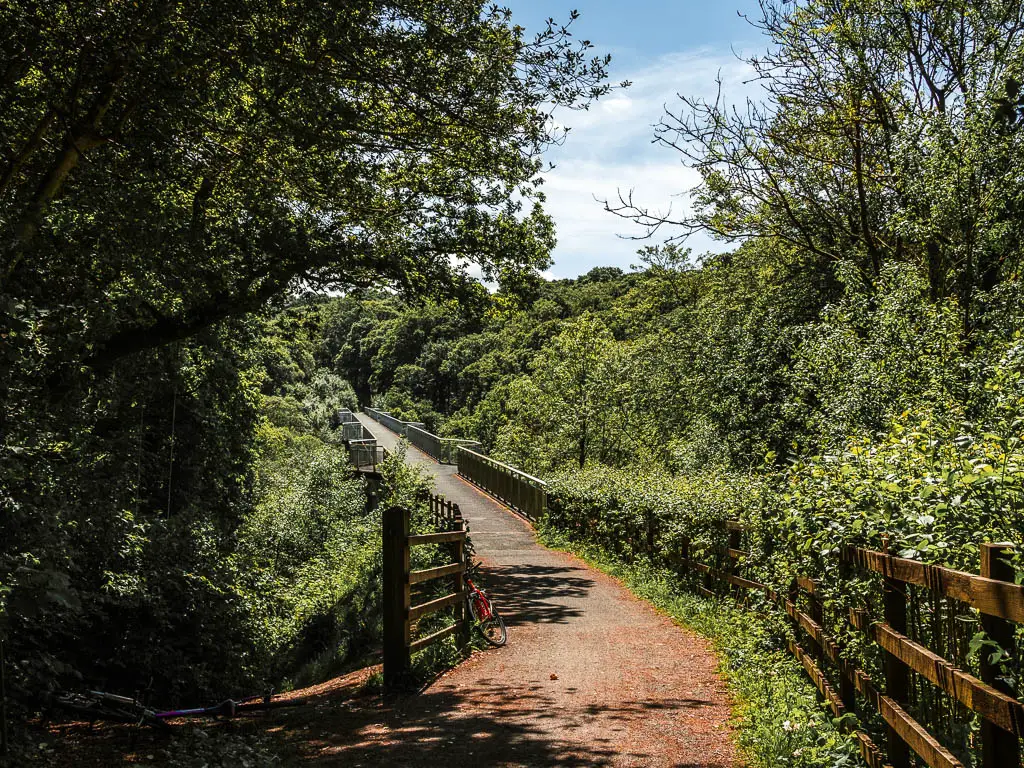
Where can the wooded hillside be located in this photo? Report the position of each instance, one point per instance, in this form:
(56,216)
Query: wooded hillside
(222,222)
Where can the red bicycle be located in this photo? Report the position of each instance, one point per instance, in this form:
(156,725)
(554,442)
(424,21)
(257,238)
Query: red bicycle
(485,616)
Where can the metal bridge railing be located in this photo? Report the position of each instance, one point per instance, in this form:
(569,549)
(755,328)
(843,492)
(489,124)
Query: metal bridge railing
(354,430)
(524,493)
(366,454)
(389,421)
(345,416)
(444,449)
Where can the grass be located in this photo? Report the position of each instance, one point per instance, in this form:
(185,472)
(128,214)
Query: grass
(778,717)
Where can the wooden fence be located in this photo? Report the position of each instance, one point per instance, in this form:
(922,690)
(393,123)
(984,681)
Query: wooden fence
(522,492)
(400,615)
(993,594)
(444,515)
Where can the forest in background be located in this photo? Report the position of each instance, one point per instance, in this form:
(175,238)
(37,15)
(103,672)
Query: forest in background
(852,373)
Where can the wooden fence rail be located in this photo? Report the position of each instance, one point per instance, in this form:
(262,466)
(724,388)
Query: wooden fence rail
(992,593)
(522,492)
(400,615)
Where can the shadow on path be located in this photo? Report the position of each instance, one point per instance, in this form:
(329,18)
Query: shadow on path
(487,723)
(537,594)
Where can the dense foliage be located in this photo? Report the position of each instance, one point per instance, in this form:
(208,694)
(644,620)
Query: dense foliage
(176,518)
(174,507)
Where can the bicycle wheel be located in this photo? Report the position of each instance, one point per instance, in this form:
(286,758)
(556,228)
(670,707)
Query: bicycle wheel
(493,629)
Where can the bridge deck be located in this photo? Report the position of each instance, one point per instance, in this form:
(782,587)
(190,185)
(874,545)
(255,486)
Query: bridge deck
(590,676)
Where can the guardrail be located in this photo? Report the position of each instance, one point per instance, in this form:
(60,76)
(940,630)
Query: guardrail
(345,416)
(354,430)
(444,449)
(395,425)
(522,492)
(366,454)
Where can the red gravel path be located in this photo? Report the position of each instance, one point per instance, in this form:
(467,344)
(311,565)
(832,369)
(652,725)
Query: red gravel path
(591,675)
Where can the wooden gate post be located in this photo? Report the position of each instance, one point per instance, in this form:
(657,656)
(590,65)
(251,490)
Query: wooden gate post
(396,597)
(897,676)
(998,747)
(461,614)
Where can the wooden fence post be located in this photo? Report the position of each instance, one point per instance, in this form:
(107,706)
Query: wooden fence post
(816,610)
(897,676)
(396,597)
(999,748)
(461,615)
(793,595)
(847,689)
(735,544)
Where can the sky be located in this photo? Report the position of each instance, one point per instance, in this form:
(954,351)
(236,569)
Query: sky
(665,47)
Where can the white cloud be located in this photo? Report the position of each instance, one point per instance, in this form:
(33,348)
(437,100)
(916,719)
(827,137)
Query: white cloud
(609,148)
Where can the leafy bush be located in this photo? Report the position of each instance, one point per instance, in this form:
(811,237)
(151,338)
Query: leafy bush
(933,489)
(308,558)
(637,513)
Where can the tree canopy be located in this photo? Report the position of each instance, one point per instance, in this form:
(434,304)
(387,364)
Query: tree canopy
(164,165)
(886,132)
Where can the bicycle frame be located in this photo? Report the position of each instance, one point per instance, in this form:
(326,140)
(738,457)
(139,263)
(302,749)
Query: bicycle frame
(479,597)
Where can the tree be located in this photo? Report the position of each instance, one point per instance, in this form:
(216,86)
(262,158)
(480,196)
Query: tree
(570,395)
(877,140)
(165,165)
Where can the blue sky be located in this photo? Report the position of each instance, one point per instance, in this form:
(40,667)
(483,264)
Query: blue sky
(664,48)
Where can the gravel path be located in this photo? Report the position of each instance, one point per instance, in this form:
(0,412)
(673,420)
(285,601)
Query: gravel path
(591,675)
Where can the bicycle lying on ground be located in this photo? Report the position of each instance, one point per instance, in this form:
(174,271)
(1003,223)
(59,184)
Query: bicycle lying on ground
(485,616)
(99,705)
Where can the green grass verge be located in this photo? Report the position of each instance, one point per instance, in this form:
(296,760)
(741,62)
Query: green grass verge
(778,717)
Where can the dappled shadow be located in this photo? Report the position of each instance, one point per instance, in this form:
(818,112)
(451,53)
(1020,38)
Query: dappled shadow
(486,723)
(537,594)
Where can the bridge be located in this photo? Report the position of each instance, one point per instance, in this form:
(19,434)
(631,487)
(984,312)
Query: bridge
(591,675)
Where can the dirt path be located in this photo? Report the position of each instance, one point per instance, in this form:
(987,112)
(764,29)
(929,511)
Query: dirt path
(590,676)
